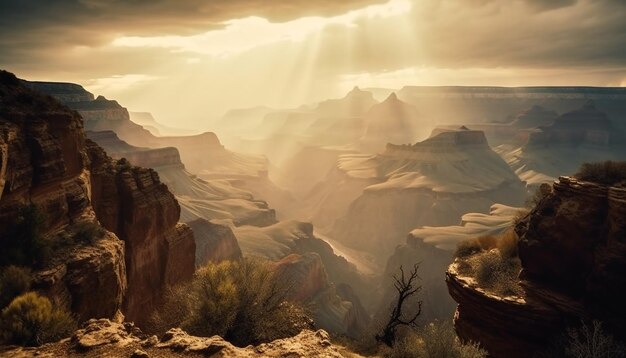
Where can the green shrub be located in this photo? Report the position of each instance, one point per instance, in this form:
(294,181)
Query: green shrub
(606,173)
(31,320)
(14,281)
(24,244)
(243,302)
(435,340)
(88,232)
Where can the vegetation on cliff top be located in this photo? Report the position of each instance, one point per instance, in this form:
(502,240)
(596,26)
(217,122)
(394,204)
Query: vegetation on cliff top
(606,173)
(493,262)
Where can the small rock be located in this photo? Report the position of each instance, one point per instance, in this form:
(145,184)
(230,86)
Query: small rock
(140,354)
(150,341)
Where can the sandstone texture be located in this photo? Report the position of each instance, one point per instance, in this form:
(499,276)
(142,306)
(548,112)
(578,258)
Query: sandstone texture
(46,161)
(133,203)
(102,337)
(573,252)
(43,163)
(215,242)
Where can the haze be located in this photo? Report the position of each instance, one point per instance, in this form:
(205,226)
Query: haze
(189,63)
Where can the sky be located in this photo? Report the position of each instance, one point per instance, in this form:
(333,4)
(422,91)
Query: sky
(188,62)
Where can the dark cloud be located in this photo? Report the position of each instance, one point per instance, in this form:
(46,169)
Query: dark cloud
(28,26)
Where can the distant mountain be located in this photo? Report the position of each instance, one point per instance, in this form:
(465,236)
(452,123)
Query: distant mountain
(391,121)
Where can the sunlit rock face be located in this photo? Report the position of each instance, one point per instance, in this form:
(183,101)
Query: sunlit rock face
(137,206)
(103,337)
(572,253)
(212,199)
(44,162)
(433,182)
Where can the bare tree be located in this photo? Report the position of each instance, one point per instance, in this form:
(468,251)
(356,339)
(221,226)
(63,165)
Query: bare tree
(406,288)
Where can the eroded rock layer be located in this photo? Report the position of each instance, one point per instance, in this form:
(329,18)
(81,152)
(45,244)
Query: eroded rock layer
(573,254)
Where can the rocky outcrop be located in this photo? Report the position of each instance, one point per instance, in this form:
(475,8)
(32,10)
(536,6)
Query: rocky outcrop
(64,92)
(573,253)
(142,157)
(309,284)
(584,126)
(46,161)
(133,203)
(215,242)
(43,163)
(105,338)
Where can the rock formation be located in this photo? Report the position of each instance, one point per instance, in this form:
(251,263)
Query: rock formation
(133,203)
(207,199)
(215,242)
(391,121)
(433,182)
(105,338)
(309,284)
(572,253)
(46,161)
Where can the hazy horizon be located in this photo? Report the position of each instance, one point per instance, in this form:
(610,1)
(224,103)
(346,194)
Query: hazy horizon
(194,61)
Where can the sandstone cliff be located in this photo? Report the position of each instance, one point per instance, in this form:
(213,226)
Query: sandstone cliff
(46,161)
(215,242)
(572,250)
(133,203)
(309,284)
(43,163)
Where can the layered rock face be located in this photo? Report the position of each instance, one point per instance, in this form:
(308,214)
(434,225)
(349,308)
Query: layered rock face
(133,203)
(46,161)
(305,273)
(215,242)
(43,162)
(215,199)
(584,126)
(573,252)
(433,182)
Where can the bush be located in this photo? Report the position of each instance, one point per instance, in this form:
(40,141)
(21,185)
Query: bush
(497,273)
(606,173)
(435,340)
(590,341)
(88,232)
(243,302)
(24,244)
(14,281)
(31,320)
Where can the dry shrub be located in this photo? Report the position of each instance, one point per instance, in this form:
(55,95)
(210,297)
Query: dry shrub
(32,320)
(14,281)
(493,261)
(496,273)
(590,341)
(606,173)
(435,340)
(242,301)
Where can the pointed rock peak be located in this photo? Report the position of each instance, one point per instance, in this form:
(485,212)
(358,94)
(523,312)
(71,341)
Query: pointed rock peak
(356,89)
(392,97)
(463,128)
(101,98)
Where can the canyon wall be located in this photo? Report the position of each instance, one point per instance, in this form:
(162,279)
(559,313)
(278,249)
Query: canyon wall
(572,248)
(46,161)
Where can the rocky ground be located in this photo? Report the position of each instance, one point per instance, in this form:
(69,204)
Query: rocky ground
(104,338)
